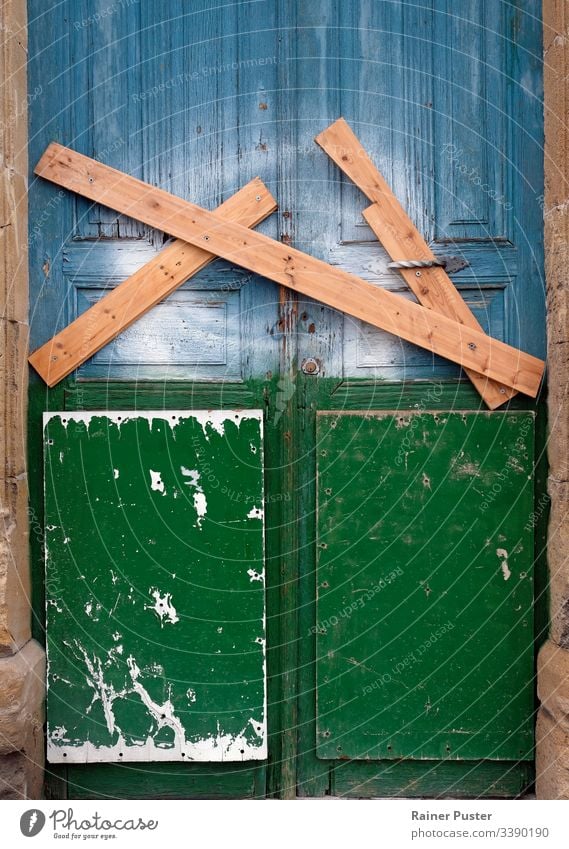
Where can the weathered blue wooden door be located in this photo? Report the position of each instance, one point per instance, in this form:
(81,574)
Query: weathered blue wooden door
(199,98)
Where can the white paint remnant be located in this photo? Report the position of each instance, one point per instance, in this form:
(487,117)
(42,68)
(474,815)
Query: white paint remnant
(162,713)
(200,501)
(503,555)
(200,505)
(116,473)
(156,482)
(217,747)
(256,576)
(256,513)
(191,695)
(220,748)
(258,727)
(58,733)
(214,418)
(163,607)
(194,476)
(89,608)
(106,693)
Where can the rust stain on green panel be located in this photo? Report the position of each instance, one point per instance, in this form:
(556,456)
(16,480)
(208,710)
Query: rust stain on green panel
(155,586)
(424,581)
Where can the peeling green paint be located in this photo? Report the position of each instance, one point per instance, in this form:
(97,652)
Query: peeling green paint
(155,586)
(425,585)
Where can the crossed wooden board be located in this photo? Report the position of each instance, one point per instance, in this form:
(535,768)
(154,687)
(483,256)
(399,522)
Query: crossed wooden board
(441,322)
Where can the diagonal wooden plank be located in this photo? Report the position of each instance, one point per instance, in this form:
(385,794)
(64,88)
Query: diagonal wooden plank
(401,239)
(290,267)
(102,322)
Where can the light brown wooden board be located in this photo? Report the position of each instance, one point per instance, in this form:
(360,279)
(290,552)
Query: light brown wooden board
(290,267)
(132,298)
(401,239)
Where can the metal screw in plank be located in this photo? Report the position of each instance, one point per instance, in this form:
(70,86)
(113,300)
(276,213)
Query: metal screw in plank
(310,366)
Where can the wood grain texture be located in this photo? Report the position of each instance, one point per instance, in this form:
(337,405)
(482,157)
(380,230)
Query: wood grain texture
(401,239)
(100,324)
(289,267)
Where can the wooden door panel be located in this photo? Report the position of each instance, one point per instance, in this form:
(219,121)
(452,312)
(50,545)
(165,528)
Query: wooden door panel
(447,102)
(424,585)
(155,586)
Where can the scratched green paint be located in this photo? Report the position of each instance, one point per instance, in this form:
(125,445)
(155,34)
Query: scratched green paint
(155,586)
(424,583)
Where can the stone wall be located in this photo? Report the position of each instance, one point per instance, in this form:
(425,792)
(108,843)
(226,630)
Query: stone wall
(553,667)
(21,659)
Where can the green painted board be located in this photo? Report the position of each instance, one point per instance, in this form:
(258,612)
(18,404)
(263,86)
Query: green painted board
(424,585)
(155,586)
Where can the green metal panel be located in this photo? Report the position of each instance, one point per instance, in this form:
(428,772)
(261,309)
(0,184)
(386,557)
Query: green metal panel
(424,585)
(155,586)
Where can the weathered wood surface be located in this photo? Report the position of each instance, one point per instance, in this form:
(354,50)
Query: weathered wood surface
(292,268)
(424,620)
(432,286)
(100,324)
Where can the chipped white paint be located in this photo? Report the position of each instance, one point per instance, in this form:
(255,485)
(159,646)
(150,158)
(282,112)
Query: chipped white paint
(191,695)
(503,555)
(194,476)
(200,505)
(258,727)
(103,691)
(256,576)
(209,419)
(223,748)
(162,713)
(58,733)
(89,608)
(218,748)
(156,482)
(115,473)
(200,501)
(256,513)
(163,607)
